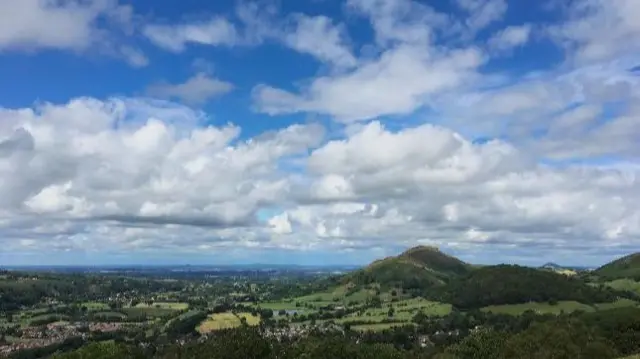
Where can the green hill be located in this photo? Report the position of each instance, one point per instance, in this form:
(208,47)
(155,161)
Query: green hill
(625,267)
(511,284)
(417,268)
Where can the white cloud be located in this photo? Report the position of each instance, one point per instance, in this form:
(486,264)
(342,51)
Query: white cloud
(482,12)
(318,37)
(197,90)
(403,21)
(217,31)
(135,164)
(510,37)
(28,25)
(430,185)
(132,176)
(600,29)
(399,82)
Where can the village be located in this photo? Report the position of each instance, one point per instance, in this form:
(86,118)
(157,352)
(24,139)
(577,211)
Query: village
(53,333)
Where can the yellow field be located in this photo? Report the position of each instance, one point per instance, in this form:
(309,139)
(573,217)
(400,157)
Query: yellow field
(219,321)
(252,320)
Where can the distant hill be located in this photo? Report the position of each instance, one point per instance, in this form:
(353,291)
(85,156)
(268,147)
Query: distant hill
(551,265)
(625,267)
(511,284)
(418,268)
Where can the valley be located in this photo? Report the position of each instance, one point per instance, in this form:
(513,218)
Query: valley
(434,301)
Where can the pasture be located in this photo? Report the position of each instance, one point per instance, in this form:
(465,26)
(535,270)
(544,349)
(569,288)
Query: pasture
(148,312)
(95,306)
(108,315)
(625,284)
(377,327)
(563,306)
(539,308)
(164,305)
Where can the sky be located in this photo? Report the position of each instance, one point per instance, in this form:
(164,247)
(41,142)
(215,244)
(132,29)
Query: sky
(318,131)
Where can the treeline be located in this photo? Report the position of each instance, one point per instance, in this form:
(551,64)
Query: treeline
(510,284)
(19,290)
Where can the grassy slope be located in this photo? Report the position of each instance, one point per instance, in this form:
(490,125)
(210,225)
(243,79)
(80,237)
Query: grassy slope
(562,306)
(625,267)
(421,267)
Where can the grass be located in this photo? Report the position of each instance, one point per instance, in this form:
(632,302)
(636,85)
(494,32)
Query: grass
(564,306)
(624,284)
(404,311)
(219,321)
(58,317)
(149,312)
(164,305)
(621,303)
(539,308)
(377,327)
(109,315)
(97,306)
(278,305)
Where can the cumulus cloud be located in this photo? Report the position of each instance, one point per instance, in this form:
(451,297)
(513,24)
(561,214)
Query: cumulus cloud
(406,73)
(197,90)
(75,25)
(318,37)
(131,175)
(134,163)
(510,37)
(399,82)
(500,162)
(215,32)
(428,184)
(600,29)
(482,12)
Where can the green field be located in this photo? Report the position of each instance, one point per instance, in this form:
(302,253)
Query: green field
(377,327)
(149,312)
(164,305)
(563,306)
(108,315)
(57,317)
(622,303)
(404,311)
(97,306)
(624,284)
(286,305)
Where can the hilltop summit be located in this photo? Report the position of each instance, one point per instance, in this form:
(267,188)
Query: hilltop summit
(422,266)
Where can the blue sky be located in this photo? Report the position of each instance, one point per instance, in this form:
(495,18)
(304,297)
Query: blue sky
(319,131)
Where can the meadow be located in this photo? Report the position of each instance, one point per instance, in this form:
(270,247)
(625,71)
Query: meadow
(378,326)
(164,305)
(625,284)
(560,307)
